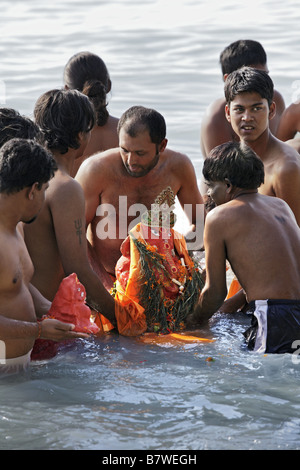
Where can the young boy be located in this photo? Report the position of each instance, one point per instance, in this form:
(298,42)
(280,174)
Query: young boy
(56,240)
(260,238)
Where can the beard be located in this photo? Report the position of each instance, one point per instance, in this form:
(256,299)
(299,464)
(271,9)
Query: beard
(143,170)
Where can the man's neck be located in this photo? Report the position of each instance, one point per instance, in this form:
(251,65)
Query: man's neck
(260,145)
(65,161)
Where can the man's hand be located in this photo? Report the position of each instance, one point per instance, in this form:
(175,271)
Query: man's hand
(59,331)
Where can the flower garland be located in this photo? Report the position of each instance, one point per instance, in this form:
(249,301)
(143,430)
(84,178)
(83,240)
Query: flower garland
(165,314)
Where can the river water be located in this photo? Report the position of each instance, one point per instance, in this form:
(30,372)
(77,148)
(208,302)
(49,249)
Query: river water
(116,392)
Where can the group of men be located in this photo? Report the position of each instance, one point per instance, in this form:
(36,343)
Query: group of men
(50,222)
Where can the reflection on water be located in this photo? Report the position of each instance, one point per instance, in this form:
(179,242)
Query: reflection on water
(116,392)
(119,393)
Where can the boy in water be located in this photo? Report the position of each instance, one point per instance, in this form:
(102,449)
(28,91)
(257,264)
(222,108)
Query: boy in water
(25,169)
(260,238)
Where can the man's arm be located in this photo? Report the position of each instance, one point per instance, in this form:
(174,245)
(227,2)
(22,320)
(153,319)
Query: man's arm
(49,328)
(69,221)
(215,129)
(287,185)
(41,304)
(89,178)
(215,289)
(289,123)
(191,202)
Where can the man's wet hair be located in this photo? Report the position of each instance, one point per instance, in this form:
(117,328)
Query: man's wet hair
(86,72)
(138,119)
(62,115)
(24,162)
(244,52)
(13,124)
(236,162)
(249,80)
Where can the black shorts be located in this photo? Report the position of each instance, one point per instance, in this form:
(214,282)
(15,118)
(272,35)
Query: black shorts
(275,326)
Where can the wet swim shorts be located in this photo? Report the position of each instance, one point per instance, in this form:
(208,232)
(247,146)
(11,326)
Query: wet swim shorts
(15,365)
(275,326)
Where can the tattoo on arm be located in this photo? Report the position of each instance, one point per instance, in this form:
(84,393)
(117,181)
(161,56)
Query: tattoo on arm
(78,227)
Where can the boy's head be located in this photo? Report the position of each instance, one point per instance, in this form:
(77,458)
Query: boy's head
(244,52)
(235,163)
(12,125)
(63,115)
(139,118)
(249,80)
(22,164)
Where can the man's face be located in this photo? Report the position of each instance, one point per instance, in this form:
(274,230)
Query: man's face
(139,154)
(37,198)
(217,191)
(249,115)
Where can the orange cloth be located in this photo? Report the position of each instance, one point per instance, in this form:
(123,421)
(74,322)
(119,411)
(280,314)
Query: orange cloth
(234,287)
(130,315)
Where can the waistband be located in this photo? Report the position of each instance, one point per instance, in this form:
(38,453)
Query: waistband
(21,360)
(251,304)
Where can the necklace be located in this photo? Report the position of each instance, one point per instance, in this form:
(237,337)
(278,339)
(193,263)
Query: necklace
(243,193)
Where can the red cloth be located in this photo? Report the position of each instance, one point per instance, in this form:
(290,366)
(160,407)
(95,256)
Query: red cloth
(68,306)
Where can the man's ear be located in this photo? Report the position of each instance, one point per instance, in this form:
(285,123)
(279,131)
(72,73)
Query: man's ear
(227,113)
(162,145)
(229,185)
(31,190)
(272,110)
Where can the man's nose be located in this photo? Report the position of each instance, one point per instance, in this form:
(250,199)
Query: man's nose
(247,115)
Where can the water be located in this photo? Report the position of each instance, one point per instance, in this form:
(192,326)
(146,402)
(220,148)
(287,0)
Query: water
(116,392)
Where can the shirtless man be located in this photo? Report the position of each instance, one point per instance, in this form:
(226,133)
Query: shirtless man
(56,240)
(260,238)
(249,109)
(290,125)
(25,169)
(12,124)
(215,129)
(88,73)
(125,181)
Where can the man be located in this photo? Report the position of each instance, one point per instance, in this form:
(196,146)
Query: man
(260,238)
(12,124)
(56,240)
(25,169)
(249,108)
(121,183)
(215,129)
(290,126)
(88,73)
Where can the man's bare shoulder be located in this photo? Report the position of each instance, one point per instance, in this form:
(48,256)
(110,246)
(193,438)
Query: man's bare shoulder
(98,163)
(62,187)
(285,153)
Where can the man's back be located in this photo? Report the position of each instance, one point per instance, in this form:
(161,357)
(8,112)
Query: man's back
(261,238)
(43,237)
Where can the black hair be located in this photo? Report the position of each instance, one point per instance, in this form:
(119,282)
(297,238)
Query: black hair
(244,52)
(249,80)
(236,162)
(86,72)
(62,115)
(139,118)
(12,125)
(24,162)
